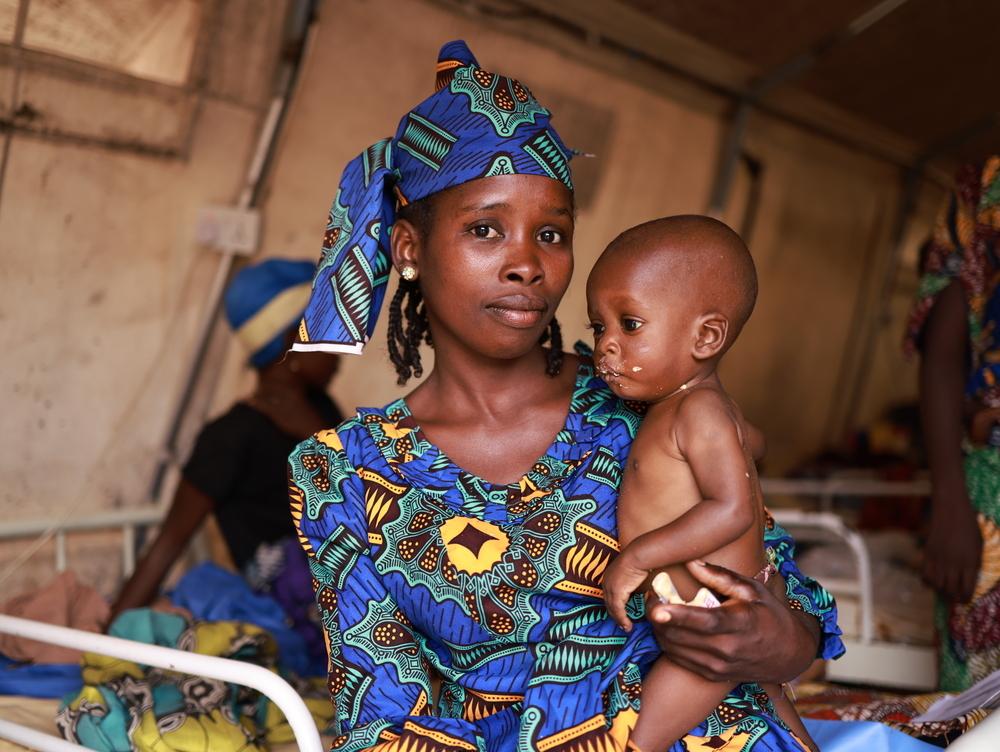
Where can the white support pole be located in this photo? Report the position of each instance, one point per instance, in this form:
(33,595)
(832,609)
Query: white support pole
(33,739)
(257,677)
(860,549)
(61,551)
(128,550)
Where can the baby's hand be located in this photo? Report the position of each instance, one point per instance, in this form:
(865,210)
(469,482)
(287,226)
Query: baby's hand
(621,579)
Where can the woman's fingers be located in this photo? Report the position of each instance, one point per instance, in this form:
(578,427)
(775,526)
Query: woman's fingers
(708,621)
(724,581)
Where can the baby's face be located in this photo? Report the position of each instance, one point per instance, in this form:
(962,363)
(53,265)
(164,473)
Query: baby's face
(643,330)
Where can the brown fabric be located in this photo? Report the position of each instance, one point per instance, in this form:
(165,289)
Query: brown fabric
(64,602)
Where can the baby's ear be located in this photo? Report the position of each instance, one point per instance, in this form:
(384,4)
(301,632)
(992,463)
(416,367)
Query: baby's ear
(711,330)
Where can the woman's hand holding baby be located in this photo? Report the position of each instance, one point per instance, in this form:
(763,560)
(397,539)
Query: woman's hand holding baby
(736,642)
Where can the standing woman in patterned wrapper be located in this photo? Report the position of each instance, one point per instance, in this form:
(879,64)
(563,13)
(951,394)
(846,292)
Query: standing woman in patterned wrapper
(463,531)
(956,326)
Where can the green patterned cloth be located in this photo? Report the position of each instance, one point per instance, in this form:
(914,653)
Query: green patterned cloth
(127,706)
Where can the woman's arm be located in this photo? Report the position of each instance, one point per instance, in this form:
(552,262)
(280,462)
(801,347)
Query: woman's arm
(954,545)
(187,511)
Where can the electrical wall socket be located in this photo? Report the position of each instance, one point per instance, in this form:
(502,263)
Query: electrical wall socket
(228,229)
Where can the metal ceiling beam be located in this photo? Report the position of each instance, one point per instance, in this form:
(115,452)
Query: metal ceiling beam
(778,76)
(618,39)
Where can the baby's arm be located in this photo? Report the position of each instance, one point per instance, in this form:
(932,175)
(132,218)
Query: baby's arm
(706,435)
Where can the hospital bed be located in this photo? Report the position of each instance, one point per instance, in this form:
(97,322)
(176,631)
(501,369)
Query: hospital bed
(868,660)
(238,672)
(35,726)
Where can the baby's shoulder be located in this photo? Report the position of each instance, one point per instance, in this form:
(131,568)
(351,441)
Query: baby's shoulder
(707,408)
(705,398)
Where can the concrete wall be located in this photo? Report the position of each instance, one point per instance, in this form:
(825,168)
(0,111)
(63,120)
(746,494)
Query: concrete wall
(103,283)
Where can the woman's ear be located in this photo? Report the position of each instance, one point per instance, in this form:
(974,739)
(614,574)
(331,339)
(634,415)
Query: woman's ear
(710,335)
(405,245)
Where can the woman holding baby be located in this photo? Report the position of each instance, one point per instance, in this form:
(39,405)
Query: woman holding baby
(462,532)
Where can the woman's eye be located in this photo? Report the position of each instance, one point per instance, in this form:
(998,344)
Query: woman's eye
(485,232)
(550,236)
(631,325)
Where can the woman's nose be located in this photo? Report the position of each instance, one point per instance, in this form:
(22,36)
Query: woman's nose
(523,264)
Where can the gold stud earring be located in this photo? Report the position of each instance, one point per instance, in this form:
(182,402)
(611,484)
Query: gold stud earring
(409,273)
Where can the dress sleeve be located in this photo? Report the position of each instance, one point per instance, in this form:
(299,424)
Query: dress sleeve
(803,592)
(378,674)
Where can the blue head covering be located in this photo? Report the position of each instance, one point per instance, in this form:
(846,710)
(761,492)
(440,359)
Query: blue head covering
(477,124)
(264,301)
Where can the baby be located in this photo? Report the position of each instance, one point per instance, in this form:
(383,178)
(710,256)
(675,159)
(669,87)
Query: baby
(666,300)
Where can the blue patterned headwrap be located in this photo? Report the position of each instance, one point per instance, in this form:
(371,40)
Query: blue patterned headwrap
(477,124)
(264,301)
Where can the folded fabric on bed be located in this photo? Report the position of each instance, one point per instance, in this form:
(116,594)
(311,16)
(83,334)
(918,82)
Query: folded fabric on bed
(47,680)
(211,593)
(125,706)
(62,601)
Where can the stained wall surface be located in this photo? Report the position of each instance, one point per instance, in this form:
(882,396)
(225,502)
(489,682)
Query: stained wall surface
(104,284)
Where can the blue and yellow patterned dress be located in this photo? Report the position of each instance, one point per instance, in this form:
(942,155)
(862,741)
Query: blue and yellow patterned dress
(420,567)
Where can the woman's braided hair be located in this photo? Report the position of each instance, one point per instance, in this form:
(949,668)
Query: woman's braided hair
(408,325)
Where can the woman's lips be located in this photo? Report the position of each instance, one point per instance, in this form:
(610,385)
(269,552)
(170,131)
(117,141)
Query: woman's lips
(518,311)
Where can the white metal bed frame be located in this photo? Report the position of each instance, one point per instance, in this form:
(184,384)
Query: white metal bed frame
(867,660)
(239,672)
(270,684)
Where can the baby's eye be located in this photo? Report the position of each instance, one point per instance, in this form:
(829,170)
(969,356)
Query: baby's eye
(631,325)
(550,236)
(484,232)
(596,327)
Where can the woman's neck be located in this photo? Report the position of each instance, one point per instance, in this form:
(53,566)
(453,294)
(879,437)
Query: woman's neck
(486,388)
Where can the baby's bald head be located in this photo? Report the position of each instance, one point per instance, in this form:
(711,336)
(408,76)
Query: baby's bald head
(695,254)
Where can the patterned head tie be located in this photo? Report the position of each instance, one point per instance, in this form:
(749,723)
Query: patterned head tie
(477,124)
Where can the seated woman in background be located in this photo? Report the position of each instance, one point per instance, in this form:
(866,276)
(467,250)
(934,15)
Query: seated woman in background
(237,468)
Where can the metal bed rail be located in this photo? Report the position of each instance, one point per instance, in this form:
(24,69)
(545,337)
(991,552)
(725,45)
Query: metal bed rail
(257,677)
(127,520)
(130,520)
(868,660)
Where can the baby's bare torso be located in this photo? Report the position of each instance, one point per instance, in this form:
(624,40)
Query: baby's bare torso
(659,486)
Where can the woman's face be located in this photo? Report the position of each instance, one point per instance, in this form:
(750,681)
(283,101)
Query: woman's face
(495,262)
